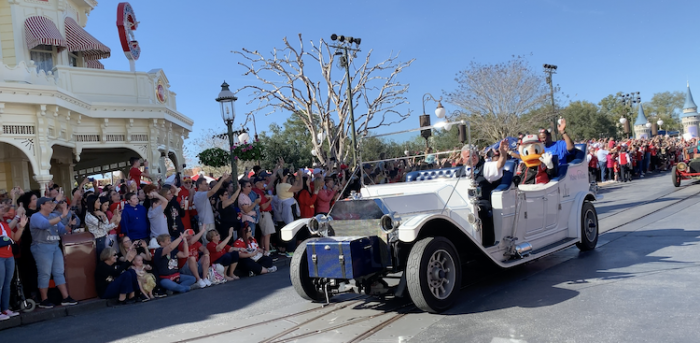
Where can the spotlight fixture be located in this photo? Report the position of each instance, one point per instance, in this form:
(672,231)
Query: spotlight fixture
(334,37)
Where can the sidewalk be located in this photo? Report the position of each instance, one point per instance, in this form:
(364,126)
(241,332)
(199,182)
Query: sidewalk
(87,306)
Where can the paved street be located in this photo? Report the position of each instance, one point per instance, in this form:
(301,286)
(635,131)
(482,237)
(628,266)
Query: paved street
(639,285)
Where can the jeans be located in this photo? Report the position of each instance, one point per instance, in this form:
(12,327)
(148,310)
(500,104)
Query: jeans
(49,261)
(123,284)
(7,269)
(183,287)
(603,170)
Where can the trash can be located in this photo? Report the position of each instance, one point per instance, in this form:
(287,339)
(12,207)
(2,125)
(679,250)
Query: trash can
(80,263)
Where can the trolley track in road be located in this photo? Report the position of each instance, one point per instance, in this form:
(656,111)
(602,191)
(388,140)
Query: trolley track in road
(386,317)
(647,203)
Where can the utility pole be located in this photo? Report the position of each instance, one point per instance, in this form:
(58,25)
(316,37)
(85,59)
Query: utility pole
(345,44)
(550,69)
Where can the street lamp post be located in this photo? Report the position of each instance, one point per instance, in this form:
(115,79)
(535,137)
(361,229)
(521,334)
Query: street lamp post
(425,118)
(550,69)
(227,99)
(628,100)
(344,45)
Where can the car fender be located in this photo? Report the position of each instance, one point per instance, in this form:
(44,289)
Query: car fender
(290,230)
(410,227)
(575,221)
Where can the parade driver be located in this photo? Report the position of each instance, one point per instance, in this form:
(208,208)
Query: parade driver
(561,148)
(487,176)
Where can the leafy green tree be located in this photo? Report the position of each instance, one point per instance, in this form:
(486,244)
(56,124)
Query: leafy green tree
(666,106)
(290,141)
(584,120)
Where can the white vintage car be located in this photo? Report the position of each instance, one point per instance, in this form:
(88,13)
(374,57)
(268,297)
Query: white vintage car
(425,229)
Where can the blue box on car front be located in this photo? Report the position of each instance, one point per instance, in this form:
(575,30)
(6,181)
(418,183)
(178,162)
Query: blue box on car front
(345,257)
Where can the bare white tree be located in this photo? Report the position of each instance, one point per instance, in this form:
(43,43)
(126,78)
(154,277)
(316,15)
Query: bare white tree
(494,97)
(302,83)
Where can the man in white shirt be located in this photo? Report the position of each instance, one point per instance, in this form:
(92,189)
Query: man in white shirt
(486,175)
(602,156)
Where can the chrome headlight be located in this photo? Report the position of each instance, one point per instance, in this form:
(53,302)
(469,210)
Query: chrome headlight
(681,166)
(319,224)
(314,225)
(389,222)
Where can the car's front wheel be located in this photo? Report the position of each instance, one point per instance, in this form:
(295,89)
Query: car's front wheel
(589,227)
(299,274)
(676,177)
(433,274)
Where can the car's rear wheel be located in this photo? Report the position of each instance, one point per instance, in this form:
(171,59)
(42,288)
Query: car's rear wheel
(433,274)
(589,227)
(299,274)
(676,177)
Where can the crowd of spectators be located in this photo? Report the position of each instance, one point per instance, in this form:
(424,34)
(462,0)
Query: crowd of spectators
(150,238)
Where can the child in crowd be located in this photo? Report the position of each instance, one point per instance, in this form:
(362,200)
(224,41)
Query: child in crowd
(146,280)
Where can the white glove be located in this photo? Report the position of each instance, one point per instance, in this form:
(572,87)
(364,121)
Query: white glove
(546,158)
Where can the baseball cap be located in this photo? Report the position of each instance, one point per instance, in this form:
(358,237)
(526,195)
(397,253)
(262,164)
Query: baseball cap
(264,174)
(189,232)
(42,201)
(259,179)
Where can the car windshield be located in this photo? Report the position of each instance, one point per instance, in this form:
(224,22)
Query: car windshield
(394,157)
(357,209)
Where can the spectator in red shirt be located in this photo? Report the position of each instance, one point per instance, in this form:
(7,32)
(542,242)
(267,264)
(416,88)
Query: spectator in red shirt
(325,196)
(267,226)
(252,258)
(194,265)
(307,199)
(185,198)
(135,173)
(222,253)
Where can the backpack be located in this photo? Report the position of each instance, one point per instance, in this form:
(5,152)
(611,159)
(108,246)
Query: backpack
(216,274)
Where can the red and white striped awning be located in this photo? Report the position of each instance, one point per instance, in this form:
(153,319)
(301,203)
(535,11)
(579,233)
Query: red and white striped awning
(81,41)
(94,64)
(42,31)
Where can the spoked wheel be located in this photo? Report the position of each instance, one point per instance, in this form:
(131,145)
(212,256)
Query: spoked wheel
(299,273)
(676,177)
(589,227)
(433,274)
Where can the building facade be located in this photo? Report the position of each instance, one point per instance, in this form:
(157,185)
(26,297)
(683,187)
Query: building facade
(62,115)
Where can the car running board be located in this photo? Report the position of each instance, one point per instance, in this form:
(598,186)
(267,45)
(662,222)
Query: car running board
(534,253)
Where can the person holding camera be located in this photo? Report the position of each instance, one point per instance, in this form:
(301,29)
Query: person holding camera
(202,203)
(135,174)
(325,196)
(46,229)
(156,216)
(98,224)
(113,279)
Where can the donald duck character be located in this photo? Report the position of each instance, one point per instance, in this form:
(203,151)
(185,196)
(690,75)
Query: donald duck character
(536,166)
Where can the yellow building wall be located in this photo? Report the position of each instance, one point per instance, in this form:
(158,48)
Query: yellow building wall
(5,177)
(7,35)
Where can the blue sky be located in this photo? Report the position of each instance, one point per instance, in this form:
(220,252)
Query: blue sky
(600,47)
